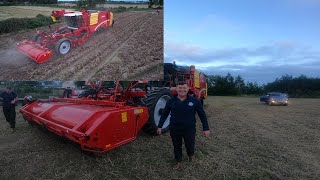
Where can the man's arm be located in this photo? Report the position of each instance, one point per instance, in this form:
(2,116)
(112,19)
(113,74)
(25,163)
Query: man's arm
(15,98)
(202,115)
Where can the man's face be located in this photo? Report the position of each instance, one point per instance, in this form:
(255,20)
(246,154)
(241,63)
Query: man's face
(182,90)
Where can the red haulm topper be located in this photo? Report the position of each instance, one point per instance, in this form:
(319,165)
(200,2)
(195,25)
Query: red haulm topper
(97,126)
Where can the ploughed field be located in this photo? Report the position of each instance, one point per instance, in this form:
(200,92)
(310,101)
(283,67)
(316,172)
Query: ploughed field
(131,50)
(249,140)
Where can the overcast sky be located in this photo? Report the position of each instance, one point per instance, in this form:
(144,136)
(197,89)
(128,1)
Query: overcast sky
(259,40)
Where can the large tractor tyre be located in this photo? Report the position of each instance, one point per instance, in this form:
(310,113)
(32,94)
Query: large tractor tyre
(63,46)
(156,101)
(87,93)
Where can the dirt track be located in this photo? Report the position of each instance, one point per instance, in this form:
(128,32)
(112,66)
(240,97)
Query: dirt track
(129,50)
(249,140)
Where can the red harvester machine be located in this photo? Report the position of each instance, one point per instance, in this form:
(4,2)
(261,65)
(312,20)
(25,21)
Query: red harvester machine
(79,27)
(112,114)
(57,15)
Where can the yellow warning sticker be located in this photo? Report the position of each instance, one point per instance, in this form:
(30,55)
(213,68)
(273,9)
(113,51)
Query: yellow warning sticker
(196,79)
(124,116)
(94,18)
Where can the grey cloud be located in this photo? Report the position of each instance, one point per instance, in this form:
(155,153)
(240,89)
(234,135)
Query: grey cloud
(274,52)
(266,73)
(276,60)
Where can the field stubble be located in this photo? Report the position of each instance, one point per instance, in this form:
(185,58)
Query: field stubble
(248,140)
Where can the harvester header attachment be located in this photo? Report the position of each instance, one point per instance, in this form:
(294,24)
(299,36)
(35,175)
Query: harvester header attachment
(97,126)
(36,52)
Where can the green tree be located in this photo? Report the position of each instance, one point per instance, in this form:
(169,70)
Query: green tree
(86,4)
(239,85)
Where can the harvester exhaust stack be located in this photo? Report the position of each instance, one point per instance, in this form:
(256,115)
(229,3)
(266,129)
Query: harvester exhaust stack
(36,52)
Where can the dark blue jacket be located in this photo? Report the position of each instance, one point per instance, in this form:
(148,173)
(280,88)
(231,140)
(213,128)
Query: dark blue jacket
(7,98)
(183,113)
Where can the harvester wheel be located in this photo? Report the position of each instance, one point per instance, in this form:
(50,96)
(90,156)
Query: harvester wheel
(156,101)
(87,93)
(63,46)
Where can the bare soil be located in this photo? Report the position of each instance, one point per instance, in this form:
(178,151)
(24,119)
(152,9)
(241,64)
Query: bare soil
(249,140)
(131,49)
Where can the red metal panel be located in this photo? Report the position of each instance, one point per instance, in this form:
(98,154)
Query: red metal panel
(96,128)
(37,53)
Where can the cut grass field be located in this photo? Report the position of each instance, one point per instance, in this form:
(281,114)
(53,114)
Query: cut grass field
(7,12)
(249,140)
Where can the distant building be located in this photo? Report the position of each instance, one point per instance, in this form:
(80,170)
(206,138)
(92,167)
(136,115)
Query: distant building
(66,1)
(110,4)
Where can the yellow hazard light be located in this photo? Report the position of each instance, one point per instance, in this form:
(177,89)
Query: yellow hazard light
(124,117)
(54,19)
(108,145)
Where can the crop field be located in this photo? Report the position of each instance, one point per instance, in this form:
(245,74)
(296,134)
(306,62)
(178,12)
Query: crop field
(249,140)
(7,12)
(131,50)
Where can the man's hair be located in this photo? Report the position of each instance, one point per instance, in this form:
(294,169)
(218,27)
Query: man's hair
(9,88)
(182,83)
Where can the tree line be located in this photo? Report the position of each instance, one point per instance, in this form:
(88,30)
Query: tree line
(229,85)
(150,2)
(218,85)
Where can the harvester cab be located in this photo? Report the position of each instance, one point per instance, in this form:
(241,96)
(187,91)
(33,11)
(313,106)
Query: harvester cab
(73,20)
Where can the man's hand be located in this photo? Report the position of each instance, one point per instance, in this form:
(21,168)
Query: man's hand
(159,130)
(206,133)
(13,102)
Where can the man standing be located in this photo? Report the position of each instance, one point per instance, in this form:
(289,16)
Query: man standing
(183,122)
(9,99)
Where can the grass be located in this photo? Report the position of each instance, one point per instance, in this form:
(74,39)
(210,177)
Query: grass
(8,12)
(249,140)
(17,24)
(17,18)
